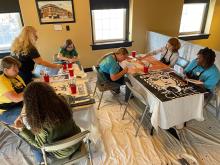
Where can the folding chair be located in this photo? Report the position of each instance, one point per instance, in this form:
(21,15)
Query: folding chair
(82,153)
(104,85)
(213,100)
(140,104)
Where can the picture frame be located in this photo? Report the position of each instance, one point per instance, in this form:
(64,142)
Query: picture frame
(55,11)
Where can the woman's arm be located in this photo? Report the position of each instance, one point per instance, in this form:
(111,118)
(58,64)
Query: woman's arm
(40,61)
(13,96)
(61,57)
(118,75)
(152,53)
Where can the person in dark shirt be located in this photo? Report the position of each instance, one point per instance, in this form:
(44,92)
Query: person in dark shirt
(43,122)
(25,50)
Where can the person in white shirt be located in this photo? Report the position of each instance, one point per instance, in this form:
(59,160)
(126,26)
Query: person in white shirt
(169,53)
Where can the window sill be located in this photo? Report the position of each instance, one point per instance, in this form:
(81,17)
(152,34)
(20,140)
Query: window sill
(109,45)
(193,37)
(4,53)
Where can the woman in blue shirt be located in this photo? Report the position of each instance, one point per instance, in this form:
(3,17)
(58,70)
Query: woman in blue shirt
(203,69)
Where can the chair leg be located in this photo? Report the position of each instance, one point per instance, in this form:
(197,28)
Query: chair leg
(125,111)
(44,156)
(94,90)
(142,118)
(90,153)
(152,131)
(100,100)
(217,107)
(126,106)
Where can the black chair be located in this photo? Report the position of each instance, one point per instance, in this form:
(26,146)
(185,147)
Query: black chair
(104,85)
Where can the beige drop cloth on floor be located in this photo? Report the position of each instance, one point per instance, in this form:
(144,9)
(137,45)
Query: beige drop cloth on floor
(199,144)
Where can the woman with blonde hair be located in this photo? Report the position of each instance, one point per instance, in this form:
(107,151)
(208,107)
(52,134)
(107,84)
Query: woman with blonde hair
(169,53)
(25,50)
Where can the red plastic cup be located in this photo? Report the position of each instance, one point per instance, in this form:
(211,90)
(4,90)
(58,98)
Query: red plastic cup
(145,69)
(70,65)
(73,88)
(46,78)
(133,53)
(71,72)
(64,66)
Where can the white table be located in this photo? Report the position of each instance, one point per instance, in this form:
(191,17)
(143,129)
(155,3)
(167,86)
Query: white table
(173,112)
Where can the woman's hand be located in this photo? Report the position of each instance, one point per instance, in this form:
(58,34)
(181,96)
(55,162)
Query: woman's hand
(59,66)
(71,60)
(132,70)
(18,123)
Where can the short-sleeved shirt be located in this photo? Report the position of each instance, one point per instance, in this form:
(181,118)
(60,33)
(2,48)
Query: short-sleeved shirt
(109,65)
(169,56)
(8,85)
(27,63)
(209,77)
(68,54)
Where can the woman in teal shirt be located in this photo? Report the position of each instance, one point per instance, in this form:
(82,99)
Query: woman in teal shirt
(204,69)
(68,52)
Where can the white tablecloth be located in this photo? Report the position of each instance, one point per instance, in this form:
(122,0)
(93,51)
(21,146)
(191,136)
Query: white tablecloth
(174,112)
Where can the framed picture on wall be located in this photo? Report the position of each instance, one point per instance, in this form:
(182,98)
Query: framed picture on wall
(55,11)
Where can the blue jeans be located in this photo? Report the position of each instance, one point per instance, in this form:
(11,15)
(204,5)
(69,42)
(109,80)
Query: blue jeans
(10,115)
(37,155)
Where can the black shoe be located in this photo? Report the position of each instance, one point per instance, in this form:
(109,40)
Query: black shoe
(116,91)
(173,132)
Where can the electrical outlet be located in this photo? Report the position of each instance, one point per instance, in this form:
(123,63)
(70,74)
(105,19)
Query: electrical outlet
(67,28)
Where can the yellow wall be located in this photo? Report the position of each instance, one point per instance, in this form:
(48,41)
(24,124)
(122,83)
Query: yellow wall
(214,39)
(154,15)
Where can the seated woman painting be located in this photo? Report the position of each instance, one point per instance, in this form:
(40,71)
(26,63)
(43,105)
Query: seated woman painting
(67,52)
(169,53)
(203,69)
(11,90)
(46,118)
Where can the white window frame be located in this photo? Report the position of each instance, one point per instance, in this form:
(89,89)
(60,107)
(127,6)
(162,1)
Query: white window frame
(203,23)
(110,40)
(6,47)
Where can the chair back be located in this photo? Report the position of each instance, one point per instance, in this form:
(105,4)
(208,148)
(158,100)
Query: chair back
(137,87)
(217,89)
(140,96)
(65,143)
(100,77)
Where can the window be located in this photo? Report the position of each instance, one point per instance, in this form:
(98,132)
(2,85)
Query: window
(109,23)
(194,17)
(9,29)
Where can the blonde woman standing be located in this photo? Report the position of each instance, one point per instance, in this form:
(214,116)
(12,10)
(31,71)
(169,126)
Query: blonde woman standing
(24,48)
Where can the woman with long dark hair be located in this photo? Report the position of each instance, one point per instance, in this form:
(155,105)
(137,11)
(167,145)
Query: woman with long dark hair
(46,118)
